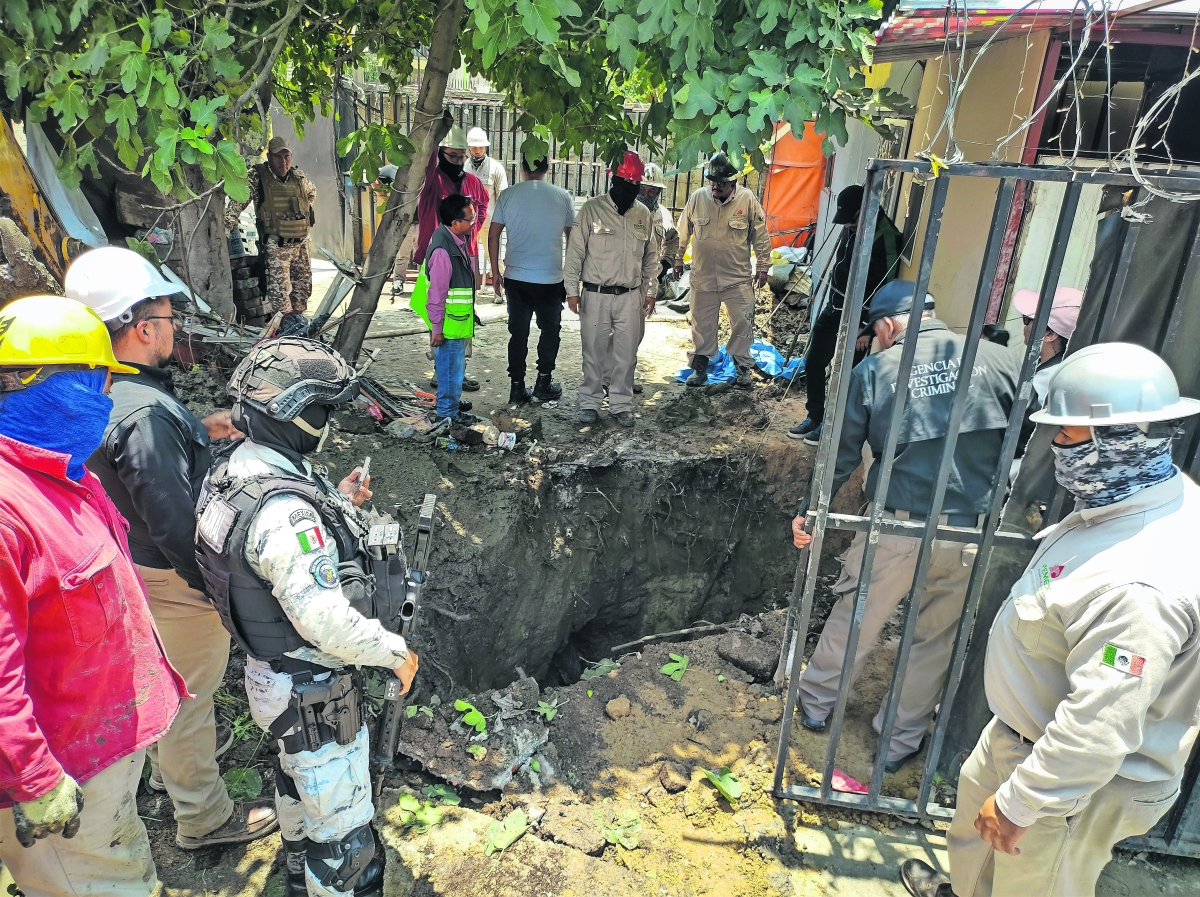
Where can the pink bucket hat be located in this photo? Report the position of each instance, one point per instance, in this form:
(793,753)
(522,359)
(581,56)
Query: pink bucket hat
(1064,313)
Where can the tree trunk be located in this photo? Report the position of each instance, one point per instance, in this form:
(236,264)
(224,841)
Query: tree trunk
(402,203)
(200,235)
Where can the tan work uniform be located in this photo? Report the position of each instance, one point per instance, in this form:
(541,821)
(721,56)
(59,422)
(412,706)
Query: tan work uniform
(612,266)
(289,267)
(1093,674)
(725,233)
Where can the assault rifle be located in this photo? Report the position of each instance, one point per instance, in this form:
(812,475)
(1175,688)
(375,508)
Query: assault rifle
(392,716)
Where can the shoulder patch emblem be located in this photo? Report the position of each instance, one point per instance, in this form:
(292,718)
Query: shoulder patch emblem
(324,572)
(1125,661)
(1048,573)
(301,514)
(311,539)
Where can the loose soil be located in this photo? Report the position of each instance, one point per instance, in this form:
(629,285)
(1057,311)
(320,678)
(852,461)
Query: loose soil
(546,558)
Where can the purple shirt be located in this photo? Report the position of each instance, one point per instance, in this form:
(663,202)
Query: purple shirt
(438,268)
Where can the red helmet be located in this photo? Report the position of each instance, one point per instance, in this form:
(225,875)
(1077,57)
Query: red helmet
(631,167)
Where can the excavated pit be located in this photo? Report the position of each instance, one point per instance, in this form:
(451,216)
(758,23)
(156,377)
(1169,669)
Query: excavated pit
(569,559)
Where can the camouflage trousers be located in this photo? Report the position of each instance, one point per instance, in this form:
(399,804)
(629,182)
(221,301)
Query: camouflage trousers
(289,276)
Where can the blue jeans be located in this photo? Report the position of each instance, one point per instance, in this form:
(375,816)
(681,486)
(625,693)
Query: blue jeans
(450,364)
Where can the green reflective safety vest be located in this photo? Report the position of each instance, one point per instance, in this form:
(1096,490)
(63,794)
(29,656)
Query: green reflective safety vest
(459,322)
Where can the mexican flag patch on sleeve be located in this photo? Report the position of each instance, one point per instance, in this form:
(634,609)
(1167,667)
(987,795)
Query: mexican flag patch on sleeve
(310,539)
(1125,661)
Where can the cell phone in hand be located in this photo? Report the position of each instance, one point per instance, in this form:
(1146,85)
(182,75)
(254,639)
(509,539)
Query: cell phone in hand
(364,472)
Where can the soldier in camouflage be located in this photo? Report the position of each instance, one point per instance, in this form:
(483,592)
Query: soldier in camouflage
(281,550)
(283,206)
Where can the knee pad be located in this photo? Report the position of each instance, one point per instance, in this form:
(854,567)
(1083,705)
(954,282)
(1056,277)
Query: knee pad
(352,854)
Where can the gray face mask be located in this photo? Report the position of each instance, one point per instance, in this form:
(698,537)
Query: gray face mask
(1115,463)
(650,203)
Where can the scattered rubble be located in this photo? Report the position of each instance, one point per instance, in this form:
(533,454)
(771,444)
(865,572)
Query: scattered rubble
(748,654)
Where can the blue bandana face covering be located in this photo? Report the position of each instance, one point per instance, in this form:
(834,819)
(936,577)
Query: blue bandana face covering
(65,413)
(1114,464)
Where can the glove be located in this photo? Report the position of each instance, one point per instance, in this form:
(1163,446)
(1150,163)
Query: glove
(55,811)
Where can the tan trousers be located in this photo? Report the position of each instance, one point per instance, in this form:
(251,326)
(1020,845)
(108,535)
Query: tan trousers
(933,643)
(610,328)
(705,318)
(110,855)
(1060,856)
(198,647)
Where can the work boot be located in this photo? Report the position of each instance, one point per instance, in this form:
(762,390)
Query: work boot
(464,405)
(637,388)
(468,384)
(518,394)
(546,390)
(744,380)
(250,821)
(699,371)
(588,416)
(624,418)
(295,858)
(922,880)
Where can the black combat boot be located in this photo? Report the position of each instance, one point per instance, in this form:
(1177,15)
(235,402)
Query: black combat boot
(546,390)
(699,374)
(295,855)
(518,394)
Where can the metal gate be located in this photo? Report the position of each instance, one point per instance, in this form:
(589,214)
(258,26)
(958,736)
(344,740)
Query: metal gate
(1179,832)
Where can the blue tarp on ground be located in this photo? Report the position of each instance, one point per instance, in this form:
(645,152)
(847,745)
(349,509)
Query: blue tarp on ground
(722,369)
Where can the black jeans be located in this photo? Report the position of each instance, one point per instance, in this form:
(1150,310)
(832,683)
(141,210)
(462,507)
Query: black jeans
(822,345)
(525,300)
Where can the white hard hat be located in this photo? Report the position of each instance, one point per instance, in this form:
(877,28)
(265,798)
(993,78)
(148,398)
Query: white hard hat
(111,280)
(454,139)
(1113,383)
(653,176)
(478,137)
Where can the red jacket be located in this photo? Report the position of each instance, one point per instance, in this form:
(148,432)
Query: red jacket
(83,677)
(437,187)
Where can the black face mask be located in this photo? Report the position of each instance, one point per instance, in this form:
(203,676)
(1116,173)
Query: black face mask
(450,170)
(283,436)
(623,194)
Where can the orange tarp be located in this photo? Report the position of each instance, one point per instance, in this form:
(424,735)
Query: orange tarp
(795,176)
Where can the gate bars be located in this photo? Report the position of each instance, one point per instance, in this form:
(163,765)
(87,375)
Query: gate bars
(817,506)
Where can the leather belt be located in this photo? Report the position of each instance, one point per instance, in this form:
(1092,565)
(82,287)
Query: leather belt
(1021,738)
(971,520)
(611,291)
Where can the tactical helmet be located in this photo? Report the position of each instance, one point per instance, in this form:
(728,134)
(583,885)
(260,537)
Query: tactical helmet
(281,377)
(653,176)
(1113,383)
(478,137)
(720,168)
(456,138)
(111,280)
(45,335)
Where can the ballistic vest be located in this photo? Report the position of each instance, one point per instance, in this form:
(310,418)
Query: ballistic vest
(460,300)
(249,610)
(282,207)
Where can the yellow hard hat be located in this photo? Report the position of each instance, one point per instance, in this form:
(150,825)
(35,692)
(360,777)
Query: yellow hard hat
(43,335)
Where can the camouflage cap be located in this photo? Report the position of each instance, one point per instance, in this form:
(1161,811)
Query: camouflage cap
(281,377)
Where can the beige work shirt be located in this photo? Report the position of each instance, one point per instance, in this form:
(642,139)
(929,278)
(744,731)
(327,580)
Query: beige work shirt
(609,249)
(668,234)
(725,234)
(1095,655)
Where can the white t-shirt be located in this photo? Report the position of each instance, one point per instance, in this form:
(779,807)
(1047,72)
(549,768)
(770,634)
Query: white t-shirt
(535,214)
